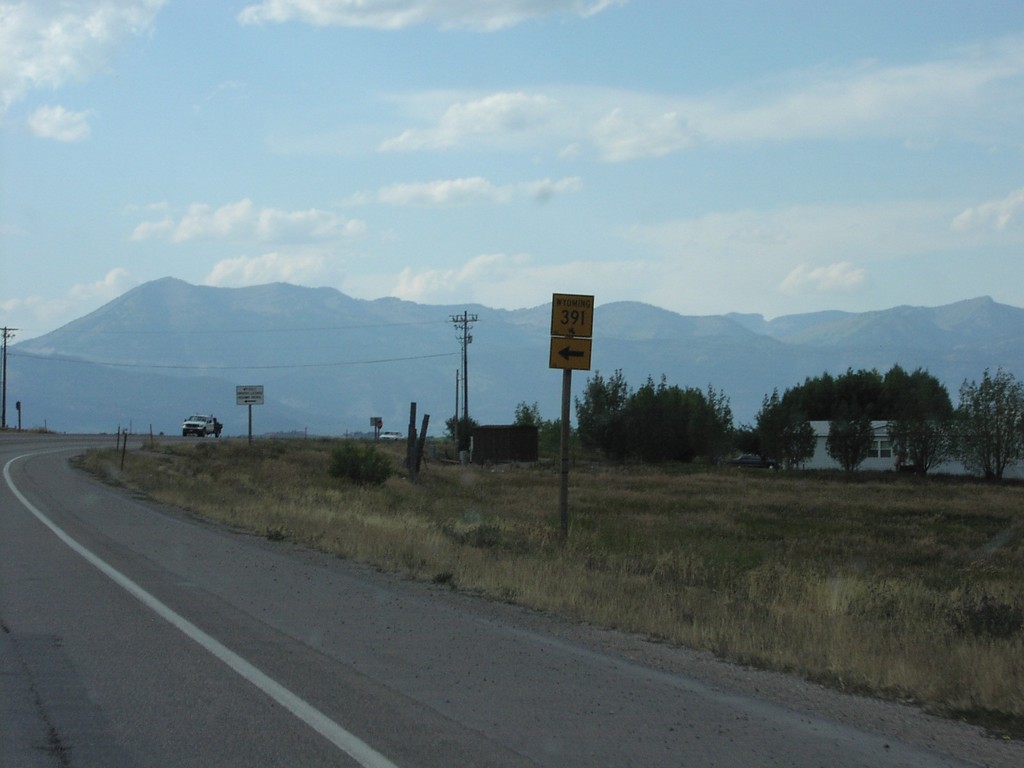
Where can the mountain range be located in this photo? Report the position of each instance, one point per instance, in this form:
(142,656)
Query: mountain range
(328,362)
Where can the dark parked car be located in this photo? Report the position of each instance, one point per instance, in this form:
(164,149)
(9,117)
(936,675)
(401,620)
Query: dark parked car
(754,461)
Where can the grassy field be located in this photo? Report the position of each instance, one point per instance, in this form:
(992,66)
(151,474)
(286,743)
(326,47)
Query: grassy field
(888,585)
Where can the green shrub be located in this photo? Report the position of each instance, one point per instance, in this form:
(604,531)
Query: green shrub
(363,466)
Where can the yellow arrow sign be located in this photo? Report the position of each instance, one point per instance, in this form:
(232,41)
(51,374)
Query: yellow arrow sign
(570,353)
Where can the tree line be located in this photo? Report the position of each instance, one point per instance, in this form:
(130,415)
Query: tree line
(660,422)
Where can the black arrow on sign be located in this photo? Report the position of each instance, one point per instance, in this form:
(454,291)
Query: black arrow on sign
(567,352)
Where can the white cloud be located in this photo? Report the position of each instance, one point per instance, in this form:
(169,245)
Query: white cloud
(515,281)
(397,14)
(493,118)
(60,124)
(46,43)
(992,215)
(442,192)
(468,191)
(241,221)
(842,277)
(913,104)
(802,234)
(110,286)
(917,105)
(720,262)
(473,281)
(750,258)
(153,229)
(36,314)
(202,222)
(307,268)
(304,226)
(622,135)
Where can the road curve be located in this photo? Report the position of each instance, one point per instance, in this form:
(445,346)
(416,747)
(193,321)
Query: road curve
(133,635)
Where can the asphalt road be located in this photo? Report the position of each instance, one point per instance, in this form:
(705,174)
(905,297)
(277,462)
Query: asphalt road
(132,635)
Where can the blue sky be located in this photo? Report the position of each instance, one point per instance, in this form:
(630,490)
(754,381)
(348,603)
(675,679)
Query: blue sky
(705,157)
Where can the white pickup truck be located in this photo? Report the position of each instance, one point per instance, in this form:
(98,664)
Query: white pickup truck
(201,426)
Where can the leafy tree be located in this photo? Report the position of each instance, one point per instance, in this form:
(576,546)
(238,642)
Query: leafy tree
(599,415)
(549,432)
(825,397)
(990,423)
(815,398)
(745,439)
(713,429)
(652,423)
(860,392)
(659,422)
(917,394)
(849,438)
(463,427)
(549,437)
(528,415)
(920,413)
(920,443)
(784,433)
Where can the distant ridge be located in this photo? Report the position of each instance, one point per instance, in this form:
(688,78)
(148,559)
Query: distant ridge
(329,361)
(972,321)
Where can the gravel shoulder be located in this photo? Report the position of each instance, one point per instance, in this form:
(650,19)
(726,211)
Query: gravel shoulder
(900,721)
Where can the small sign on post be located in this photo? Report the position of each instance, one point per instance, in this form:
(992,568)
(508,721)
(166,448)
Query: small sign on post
(572,326)
(250,395)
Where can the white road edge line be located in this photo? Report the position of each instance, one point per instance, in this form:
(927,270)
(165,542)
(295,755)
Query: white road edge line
(347,742)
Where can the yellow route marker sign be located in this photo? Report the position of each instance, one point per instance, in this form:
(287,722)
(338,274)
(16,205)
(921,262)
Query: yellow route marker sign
(572,315)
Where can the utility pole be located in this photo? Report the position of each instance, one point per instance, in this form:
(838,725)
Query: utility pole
(463,327)
(8,333)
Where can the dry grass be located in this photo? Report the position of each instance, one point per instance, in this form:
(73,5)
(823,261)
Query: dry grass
(885,585)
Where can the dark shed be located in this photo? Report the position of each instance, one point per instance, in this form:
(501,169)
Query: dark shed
(499,443)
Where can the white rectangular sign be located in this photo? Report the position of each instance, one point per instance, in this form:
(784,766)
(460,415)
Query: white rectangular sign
(249,394)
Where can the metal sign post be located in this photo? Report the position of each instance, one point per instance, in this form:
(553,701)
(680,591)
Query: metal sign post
(563,490)
(572,326)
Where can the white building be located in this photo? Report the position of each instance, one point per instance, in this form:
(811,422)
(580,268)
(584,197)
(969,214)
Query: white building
(881,457)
